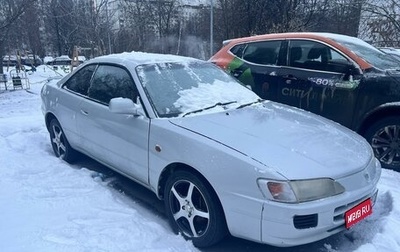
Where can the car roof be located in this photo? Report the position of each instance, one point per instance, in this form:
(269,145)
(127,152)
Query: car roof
(312,35)
(140,58)
(62,57)
(328,38)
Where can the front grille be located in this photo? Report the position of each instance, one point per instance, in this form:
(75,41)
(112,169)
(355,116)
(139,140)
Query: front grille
(340,211)
(305,221)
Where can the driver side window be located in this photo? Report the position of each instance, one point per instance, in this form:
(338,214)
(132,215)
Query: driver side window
(80,81)
(111,82)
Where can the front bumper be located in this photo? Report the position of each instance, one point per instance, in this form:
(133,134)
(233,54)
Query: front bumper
(291,226)
(285,225)
(295,224)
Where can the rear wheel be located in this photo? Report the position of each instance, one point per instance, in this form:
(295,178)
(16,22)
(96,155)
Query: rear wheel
(384,137)
(60,144)
(194,210)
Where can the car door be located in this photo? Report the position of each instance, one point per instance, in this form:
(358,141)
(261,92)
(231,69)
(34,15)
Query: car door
(76,88)
(115,139)
(319,79)
(258,66)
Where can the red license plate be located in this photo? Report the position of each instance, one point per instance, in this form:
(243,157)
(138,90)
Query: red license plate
(358,213)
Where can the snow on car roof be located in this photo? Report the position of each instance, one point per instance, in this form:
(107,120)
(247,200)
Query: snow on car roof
(328,35)
(344,38)
(139,58)
(62,58)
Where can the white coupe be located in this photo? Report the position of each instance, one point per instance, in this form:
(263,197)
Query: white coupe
(222,159)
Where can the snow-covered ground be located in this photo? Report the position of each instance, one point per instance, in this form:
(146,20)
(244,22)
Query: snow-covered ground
(49,205)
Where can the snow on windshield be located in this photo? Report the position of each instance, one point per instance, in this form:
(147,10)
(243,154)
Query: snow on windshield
(177,88)
(209,94)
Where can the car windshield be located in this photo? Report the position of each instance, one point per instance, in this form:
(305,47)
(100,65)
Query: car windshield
(372,55)
(179,89)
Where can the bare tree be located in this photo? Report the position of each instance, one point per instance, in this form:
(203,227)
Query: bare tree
(159,26)
(244,18)
(61,23)
(153,25)
(138,25)
(86,24)
(165,12)
(339,16)
(294,15)
(30,28)
(10,11)
(96,28)
(382,22)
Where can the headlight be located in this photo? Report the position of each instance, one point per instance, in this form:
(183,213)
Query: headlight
(297,191)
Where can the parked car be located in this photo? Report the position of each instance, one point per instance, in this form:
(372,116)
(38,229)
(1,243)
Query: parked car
(48,59)
(10,60)
(31,60)
(339,77)
(63,60)
(26,63)
(222,159)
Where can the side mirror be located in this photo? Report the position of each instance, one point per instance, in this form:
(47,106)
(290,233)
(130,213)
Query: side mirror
(353,71)
(121,105)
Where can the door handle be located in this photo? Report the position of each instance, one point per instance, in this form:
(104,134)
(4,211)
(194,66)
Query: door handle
(289,77)
(83,112)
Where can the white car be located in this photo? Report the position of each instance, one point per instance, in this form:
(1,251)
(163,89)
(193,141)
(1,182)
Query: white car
(222,159)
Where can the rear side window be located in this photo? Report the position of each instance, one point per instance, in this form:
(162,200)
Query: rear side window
(80,81)
(265,52)
(316,56)
(111,82)
(238,50)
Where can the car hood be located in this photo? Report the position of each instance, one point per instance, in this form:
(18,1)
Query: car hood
(293,142)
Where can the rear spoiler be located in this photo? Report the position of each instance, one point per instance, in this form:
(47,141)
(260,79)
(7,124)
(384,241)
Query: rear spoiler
(225,42)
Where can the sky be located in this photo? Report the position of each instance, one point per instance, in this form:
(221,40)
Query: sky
(49,205)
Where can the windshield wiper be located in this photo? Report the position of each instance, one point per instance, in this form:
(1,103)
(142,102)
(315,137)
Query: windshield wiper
(213,106)
(251,103)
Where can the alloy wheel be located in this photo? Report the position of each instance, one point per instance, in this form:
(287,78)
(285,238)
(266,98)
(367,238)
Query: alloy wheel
(58,141)
(386,145)
(189,208)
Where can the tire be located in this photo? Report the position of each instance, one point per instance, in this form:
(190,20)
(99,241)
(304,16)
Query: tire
(194,210)
(60,144)
(384,137)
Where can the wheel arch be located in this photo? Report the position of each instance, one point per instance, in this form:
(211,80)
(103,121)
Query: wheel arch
(47,119)
(173,167)
(218,228)
(383,111)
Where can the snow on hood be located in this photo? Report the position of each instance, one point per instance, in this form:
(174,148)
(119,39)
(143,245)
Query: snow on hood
(205,95)
(297,144)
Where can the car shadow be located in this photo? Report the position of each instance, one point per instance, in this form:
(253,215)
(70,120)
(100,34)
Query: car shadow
(147,199)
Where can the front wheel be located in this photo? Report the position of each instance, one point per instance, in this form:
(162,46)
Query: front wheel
(193,209)
(60,144)
(384,137)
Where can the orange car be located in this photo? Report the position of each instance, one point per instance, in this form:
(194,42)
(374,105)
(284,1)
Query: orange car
(339,77)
